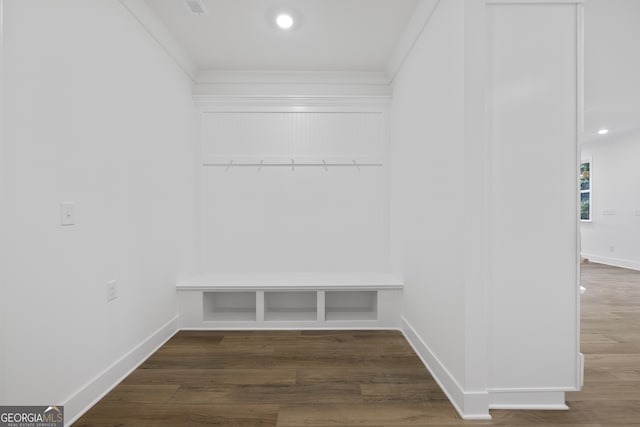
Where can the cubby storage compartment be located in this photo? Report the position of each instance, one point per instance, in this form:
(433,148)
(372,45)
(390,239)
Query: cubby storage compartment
(226,301)
(229,306)
(290,305)
(351,305)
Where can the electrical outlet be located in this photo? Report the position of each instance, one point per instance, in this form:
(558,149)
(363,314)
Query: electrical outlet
(612,248)
(112,290)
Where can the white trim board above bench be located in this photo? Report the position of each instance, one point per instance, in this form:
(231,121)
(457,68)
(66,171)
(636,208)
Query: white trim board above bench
(272,281)
(289,301)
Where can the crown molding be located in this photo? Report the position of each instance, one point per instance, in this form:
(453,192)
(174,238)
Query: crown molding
(419,21)
(216,102)
(159,32)
(292,77)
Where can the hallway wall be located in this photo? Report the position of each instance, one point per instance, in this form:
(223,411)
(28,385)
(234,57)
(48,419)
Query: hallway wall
(613,234)
(428,187)
(612,99)
(97,114)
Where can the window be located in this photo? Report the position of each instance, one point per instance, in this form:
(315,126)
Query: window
(585,191)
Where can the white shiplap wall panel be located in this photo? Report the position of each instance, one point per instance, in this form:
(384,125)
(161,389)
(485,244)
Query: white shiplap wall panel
(302,219)
(292,134)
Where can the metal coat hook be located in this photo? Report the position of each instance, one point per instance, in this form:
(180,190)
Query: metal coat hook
(356,165)
(227,168)
(260,167)
(293,165)
(326,169)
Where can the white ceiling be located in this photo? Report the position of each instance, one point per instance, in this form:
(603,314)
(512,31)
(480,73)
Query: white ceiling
(332,35)
(612,69)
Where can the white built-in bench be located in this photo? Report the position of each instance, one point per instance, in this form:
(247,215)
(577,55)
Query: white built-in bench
(289,300)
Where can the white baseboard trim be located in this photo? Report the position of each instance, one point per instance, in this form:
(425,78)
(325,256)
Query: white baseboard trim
(470,405)
(549,400)
(615,262)
(83,399)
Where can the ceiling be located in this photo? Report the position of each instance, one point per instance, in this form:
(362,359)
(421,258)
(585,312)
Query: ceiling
(612,70)
(330,35)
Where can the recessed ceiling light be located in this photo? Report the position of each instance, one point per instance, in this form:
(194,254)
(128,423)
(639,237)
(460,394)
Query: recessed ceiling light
(603,131)
(284,21)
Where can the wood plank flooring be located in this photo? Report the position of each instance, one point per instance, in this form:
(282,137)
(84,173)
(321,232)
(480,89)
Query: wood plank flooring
(365,378)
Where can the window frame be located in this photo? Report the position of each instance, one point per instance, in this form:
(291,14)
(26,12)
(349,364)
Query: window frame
(588,191)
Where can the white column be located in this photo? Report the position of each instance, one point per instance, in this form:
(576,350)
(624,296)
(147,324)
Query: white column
(533,54)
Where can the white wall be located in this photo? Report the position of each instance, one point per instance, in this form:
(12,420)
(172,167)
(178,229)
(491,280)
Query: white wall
(613,235)
(428,186)
(612,100)
(612,93)
(293,218)
(95,113)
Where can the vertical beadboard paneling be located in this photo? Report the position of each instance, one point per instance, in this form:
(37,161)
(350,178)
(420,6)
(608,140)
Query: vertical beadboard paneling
(292,134)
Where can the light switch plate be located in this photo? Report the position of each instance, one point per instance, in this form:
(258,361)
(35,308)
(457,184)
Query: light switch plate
(67,213)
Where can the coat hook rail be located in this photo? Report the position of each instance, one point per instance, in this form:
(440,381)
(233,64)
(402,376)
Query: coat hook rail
(291,163)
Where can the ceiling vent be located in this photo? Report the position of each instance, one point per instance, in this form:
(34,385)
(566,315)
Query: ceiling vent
(196,7)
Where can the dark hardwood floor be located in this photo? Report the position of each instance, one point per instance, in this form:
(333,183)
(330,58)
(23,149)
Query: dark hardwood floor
(365,378)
